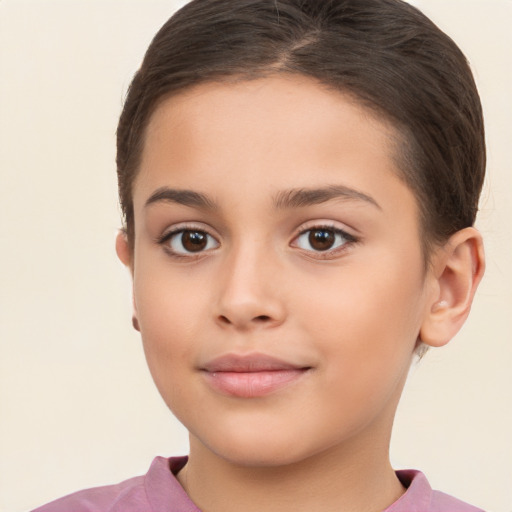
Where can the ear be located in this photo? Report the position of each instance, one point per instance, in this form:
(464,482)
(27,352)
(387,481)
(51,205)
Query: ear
(123,248)
(457,268)
(124,253)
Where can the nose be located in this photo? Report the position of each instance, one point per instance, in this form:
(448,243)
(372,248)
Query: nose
(249,294)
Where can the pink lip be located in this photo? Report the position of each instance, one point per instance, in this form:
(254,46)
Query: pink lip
(250,376)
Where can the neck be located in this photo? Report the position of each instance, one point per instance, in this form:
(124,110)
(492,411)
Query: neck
(351,478)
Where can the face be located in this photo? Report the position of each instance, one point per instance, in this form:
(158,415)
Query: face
(278,274)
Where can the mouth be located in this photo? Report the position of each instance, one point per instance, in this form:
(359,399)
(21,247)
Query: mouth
(251,376)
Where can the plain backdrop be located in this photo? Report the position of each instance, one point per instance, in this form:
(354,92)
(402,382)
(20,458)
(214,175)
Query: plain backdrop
(77,404)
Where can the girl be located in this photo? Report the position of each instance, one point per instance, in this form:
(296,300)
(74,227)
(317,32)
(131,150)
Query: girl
(299,182)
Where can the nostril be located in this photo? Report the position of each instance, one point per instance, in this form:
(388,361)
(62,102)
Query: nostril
(262,318)
(244,320)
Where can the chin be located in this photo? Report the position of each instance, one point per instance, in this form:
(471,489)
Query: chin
(260,449)
(257,458)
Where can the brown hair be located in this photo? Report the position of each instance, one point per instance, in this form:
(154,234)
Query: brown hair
(385,53)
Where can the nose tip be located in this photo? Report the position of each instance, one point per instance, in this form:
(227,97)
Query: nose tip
(246,304)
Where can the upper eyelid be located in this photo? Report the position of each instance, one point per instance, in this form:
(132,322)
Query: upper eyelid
(329,224)
(186,226)
(345,234)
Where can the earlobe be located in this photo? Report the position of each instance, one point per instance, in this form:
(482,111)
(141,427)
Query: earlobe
(458,268)
(123,248)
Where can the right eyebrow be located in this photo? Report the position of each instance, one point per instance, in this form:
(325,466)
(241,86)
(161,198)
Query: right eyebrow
(184,197)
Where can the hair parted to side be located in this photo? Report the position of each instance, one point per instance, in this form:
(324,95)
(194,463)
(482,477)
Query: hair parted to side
(385,53)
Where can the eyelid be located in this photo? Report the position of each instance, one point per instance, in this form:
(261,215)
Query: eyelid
(327,224)
(173,230)
(351,239)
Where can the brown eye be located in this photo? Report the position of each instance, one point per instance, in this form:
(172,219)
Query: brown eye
(194,241)
(187,241)
(321,239)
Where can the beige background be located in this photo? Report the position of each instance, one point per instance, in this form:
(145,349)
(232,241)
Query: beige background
(77,405)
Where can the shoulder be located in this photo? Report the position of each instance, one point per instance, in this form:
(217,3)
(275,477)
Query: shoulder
(420,497)
(102,499)
(442,502)
(155,491)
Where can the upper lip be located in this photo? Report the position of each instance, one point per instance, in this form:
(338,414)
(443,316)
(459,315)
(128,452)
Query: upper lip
(248,363)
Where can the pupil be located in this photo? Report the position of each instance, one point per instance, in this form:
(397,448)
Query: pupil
(321,239)
(194,241)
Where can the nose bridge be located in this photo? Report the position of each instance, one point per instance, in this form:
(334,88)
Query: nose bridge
(248,295)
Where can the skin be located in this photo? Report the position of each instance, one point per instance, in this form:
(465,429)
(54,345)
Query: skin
(351,315)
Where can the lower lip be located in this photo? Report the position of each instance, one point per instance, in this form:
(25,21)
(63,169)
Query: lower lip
(253,384)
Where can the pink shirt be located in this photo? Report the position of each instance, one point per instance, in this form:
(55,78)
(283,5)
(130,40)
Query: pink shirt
(160,491)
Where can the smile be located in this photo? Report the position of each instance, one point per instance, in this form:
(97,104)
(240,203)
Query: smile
(250,376)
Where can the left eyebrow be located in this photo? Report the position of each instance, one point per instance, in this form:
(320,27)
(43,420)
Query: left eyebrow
(301,197)
(179,196)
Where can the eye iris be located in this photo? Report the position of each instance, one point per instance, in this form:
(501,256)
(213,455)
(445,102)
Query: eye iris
(321,239)
(194,241)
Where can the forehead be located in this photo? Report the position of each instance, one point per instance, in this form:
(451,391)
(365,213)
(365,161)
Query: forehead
(266,134)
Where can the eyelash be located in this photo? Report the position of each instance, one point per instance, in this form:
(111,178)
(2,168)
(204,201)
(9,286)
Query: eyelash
(329,253)
(169,235)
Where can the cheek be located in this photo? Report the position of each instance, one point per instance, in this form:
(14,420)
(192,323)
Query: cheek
(168,322)
(165,301)
(366,334)
(169,353)
(366,314)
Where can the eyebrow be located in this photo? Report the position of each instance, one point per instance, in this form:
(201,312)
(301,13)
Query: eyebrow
(184,197)
(301,197)
(292,198)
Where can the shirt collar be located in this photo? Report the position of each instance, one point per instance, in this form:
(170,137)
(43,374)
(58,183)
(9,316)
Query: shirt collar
(418,495)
